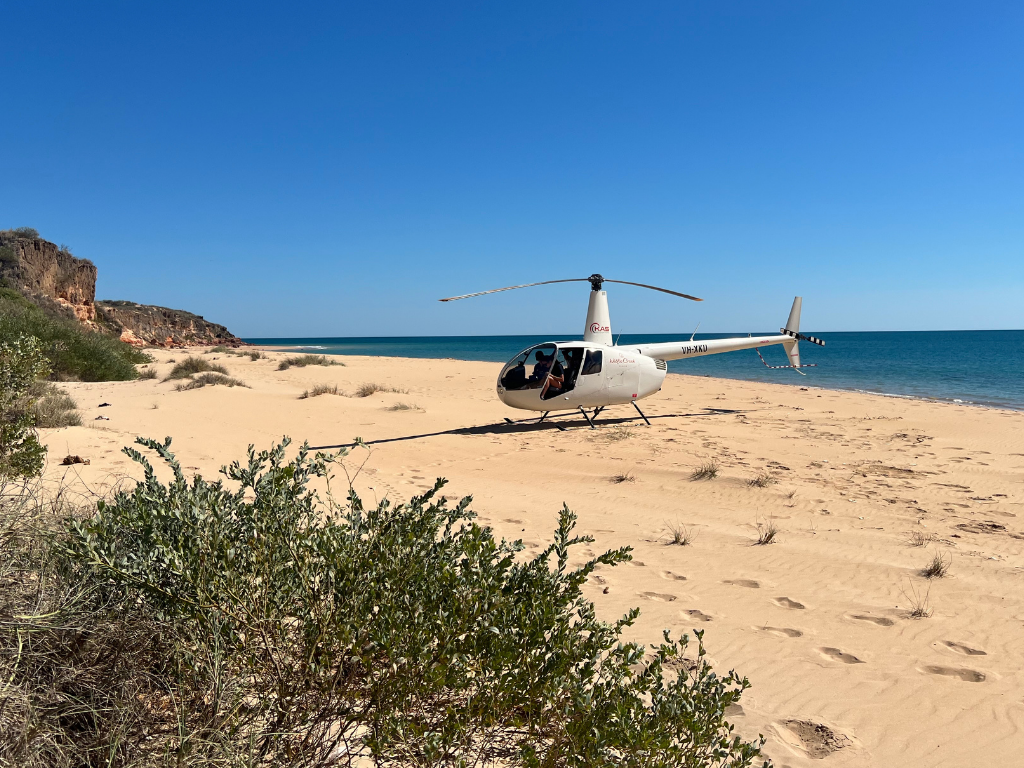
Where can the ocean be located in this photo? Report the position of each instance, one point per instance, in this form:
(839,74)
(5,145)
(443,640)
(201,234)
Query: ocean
(972,367)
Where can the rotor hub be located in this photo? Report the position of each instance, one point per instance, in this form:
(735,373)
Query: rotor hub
(596,281)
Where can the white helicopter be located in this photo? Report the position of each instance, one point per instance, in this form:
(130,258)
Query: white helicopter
(595,373)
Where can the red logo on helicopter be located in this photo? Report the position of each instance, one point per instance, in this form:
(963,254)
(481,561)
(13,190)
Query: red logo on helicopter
(598,328)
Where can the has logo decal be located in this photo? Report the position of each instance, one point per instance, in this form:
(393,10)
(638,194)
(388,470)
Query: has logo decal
(598,328)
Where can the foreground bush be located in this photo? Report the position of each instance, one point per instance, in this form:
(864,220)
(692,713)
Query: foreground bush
(245,622)
(21,453)
(72,351)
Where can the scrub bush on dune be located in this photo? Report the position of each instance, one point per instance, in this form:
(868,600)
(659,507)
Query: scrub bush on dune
(247,622)
(193,365)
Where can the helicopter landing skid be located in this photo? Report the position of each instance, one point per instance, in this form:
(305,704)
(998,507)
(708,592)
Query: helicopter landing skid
(641,413)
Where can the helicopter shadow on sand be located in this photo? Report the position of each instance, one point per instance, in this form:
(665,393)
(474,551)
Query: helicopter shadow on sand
(533,425)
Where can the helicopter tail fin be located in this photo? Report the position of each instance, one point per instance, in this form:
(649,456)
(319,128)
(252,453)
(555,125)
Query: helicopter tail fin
(792,329)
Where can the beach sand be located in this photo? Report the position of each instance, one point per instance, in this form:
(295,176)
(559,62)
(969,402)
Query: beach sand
(869,489)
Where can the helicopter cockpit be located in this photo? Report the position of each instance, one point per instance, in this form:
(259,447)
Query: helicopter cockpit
(551,368)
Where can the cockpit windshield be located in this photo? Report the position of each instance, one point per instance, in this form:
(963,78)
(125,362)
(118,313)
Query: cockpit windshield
(529,369)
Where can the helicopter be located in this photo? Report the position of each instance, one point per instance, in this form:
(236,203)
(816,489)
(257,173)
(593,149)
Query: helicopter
(597,373)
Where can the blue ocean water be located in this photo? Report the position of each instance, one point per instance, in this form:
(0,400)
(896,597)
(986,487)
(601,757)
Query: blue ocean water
(979,367)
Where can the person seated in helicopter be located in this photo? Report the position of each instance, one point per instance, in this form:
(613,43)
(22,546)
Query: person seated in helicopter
(555,381)
(540,370)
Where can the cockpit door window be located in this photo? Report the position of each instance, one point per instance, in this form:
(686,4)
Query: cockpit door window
(592,363)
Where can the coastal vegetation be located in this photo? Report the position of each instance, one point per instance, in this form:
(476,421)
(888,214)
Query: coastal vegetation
(208,380)
(72,351)
(372,388)
(301,361)
(252,621)
(707,470)
(320,389)
(192,365)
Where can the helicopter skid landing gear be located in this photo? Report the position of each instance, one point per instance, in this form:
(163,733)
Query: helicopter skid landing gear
(641,413)
(543,417)
(587,417)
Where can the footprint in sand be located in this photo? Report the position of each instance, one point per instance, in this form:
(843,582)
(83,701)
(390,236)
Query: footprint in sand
(783,631)
(511,520)
(734,710)
(638,563)
(876,620)
(672,576)
(693,613)
(837,655)
(818,740)
(743,583)
(660,597)
(967,675)
(966,650)
(785,602)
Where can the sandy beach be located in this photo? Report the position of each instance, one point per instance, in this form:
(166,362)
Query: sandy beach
(865,491)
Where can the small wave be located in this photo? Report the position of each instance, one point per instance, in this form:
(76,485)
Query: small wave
(310,346)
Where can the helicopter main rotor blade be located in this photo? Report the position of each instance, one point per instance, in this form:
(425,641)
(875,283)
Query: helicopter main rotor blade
(513,287)
(655,288)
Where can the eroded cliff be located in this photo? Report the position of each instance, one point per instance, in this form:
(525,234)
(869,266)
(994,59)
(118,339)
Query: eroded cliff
(63,284)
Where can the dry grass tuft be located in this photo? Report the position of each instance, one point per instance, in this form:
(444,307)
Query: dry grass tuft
(320,389)
(617,434)
(625,477)
(54,407)
(680,534)
(766,533)
(255,355)
(301,361)
(920,607)
(147,373)
(919,538)
(763,480)
(209,380)
(403,407)
(365,390)
(938,567)
(706,471)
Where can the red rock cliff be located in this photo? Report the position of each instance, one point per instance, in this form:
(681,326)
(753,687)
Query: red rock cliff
(65,285)
(42,270)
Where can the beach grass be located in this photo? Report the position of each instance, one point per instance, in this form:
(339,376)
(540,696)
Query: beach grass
(192,365)
(301,361)
(208,379)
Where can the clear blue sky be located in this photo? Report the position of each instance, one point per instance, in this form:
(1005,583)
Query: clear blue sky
(302,169)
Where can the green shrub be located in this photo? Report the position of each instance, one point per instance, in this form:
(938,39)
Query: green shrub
(21,453)
(301,361)
(71,350)
(295,633)
(193,365)
(30,233)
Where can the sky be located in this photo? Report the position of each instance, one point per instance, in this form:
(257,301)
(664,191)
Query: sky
(305,169)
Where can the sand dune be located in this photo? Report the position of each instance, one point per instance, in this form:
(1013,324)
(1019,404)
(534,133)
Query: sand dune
(866,491)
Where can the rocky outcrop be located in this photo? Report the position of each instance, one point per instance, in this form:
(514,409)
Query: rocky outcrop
(65,285)
(47,273)
(141,324)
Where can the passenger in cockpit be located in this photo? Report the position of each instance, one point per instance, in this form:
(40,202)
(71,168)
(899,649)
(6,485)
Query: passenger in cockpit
(540,369)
